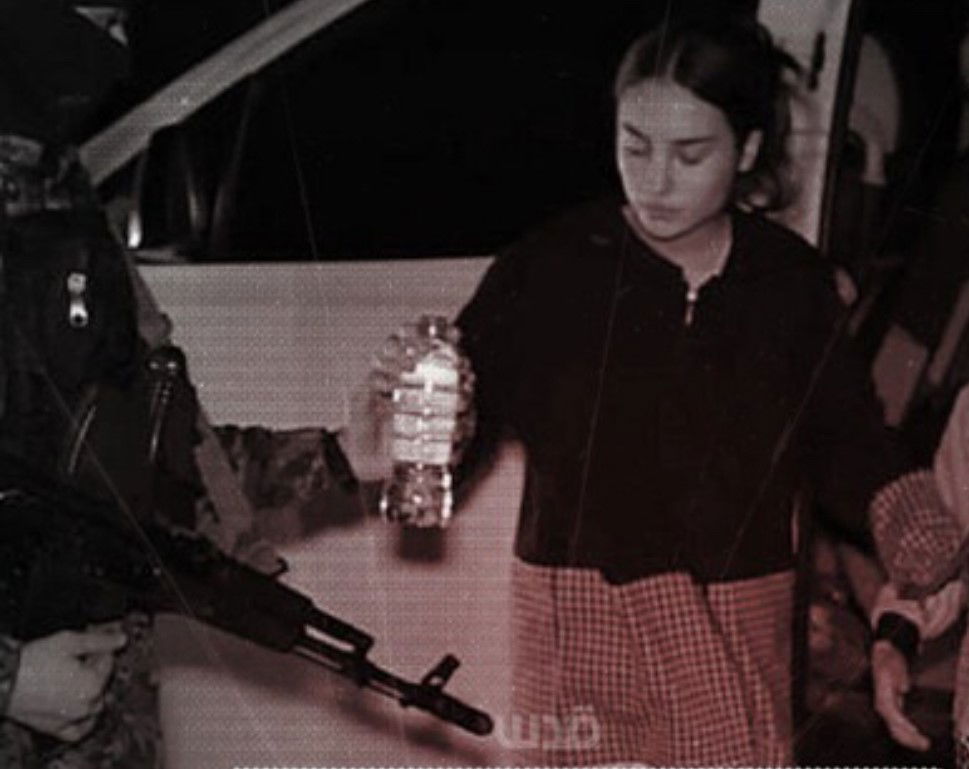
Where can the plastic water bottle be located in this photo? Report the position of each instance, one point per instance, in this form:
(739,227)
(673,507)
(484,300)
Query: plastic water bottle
(427,401)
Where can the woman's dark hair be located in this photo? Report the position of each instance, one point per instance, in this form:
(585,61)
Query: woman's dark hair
(734,65)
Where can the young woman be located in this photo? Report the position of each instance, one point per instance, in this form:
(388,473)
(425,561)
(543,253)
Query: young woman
(671,364)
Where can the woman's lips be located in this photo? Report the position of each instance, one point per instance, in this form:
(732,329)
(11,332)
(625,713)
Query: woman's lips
(661,212)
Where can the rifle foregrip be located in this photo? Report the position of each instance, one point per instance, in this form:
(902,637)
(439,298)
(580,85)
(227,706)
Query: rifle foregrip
(337,628)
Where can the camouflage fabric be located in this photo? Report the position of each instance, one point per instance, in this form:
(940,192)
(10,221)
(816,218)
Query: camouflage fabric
(283,475)
(11,743)
(35,178)
(289,478)
(9,658)
(286,476)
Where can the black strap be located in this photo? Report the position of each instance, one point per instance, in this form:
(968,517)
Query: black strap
(900,632)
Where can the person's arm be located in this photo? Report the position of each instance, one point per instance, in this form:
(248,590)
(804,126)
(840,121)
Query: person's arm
(907,623)
(491,338)
(918,527)
(899,627)
(920,520)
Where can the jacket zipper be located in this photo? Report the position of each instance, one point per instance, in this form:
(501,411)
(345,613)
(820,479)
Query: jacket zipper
(688,310)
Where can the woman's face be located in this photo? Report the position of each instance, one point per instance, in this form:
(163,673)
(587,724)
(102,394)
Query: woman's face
(678,158)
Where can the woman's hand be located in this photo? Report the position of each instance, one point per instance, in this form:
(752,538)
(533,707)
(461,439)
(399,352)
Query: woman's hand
(890,675)
(61,680)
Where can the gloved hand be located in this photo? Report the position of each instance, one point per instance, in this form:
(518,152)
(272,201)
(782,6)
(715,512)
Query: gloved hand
(60,683)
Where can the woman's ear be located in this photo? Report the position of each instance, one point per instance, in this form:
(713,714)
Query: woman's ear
(750,150)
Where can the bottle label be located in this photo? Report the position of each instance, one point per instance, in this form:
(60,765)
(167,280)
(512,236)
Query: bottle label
(419,449)
(418,400)
(426,399)
(425,405)
(431,427)
(437,369)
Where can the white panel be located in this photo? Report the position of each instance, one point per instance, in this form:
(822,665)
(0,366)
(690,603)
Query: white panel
(795,25)
(288,345)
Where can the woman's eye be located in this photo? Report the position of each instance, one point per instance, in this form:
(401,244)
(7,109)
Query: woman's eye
(691,156)
(636,150)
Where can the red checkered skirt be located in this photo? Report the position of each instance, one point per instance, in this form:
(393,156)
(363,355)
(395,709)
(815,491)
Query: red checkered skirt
(659,671)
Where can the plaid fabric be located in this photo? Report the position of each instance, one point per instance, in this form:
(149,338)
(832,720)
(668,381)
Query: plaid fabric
(915,535)
(657,671)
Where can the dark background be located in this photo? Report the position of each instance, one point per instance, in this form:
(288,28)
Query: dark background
(410,127)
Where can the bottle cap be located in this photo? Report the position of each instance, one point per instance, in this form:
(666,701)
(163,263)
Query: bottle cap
(433,325)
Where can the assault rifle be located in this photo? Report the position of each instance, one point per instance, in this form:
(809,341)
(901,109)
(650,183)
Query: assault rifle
(68,560)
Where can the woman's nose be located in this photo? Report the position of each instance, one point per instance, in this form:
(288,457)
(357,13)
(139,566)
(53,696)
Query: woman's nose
(661,175)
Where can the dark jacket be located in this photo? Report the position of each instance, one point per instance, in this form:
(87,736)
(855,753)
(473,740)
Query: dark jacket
(656,444)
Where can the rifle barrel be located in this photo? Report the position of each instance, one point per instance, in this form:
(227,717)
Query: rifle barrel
(423,696)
